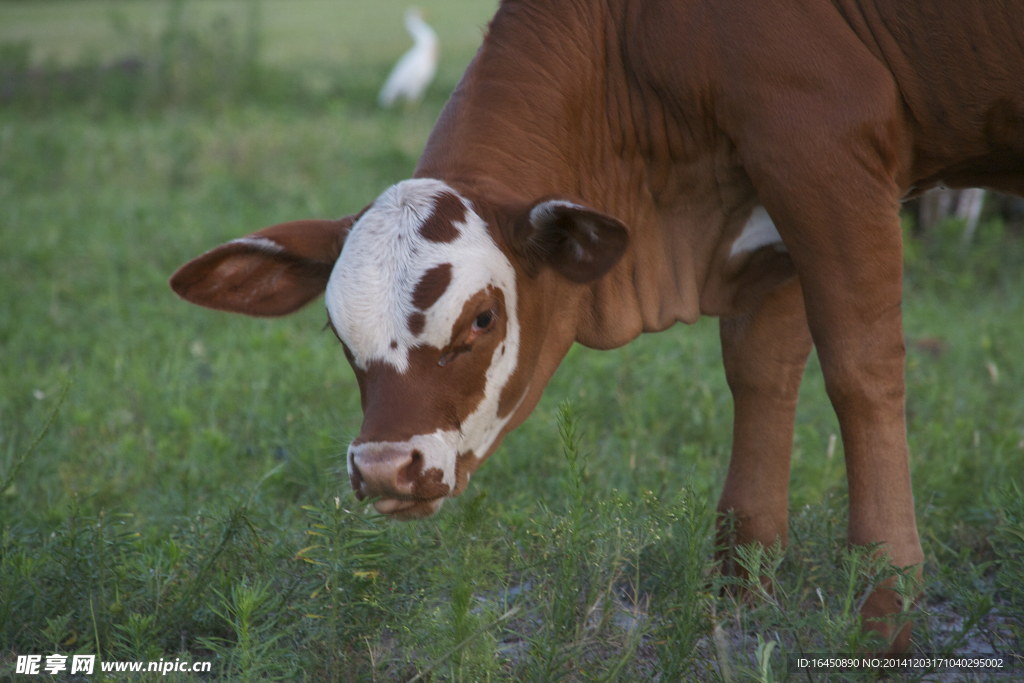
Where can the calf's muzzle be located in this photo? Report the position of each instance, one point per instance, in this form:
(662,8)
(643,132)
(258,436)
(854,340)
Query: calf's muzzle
(398,475)
(384,470)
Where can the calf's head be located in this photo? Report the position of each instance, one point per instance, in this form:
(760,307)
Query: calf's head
(452,313)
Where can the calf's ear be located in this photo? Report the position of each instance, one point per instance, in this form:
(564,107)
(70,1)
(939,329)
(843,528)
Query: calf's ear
(576,241)
(272,272)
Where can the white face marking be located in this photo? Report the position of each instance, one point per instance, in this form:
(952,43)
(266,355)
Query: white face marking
(370,293)
(261,243)
(370,299)
(759,231)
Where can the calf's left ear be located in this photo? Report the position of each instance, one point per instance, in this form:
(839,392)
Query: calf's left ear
(271,272)
(576,241)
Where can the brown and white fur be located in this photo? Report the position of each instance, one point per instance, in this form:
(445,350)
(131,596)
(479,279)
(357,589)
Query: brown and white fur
(607,169)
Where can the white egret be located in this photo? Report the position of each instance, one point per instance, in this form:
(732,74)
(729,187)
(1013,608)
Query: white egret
(417,67)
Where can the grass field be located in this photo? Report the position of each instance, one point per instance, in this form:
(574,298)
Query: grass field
(295,33)
(188,501)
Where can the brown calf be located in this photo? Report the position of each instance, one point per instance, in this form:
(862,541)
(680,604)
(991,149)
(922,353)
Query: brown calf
(607,169)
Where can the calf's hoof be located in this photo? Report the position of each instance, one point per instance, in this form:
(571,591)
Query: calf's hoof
(881,614)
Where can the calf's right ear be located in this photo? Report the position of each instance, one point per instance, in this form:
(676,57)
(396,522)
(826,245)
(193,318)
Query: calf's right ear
(576,241)
(272,272)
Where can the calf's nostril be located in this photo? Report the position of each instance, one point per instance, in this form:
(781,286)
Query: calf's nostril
(355,478)
(408,474)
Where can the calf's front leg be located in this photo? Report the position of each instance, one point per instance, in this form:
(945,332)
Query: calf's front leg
(859,335)
(846,246)
(822,134)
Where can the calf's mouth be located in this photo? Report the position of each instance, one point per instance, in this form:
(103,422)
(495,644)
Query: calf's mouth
(407,509)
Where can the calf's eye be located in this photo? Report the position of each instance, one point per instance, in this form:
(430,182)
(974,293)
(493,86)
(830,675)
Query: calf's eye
(483,320)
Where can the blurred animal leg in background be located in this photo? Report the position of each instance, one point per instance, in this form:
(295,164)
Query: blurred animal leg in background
(940,203)
(935,206)
(968,207)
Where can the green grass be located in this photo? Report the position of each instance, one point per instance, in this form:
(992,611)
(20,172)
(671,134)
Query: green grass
(133,55)
(295,33)
(189,499)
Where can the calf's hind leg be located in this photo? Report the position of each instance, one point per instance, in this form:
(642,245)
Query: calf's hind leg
(764,352)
